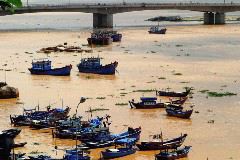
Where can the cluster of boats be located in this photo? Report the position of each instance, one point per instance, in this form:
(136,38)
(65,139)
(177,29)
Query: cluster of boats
(104,37)
(86,65)
(94,133)
(173,108)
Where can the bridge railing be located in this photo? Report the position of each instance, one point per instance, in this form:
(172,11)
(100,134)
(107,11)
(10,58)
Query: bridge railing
(27,4)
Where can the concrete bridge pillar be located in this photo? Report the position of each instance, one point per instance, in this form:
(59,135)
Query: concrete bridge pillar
(102,20)
(220,18)
(208,18)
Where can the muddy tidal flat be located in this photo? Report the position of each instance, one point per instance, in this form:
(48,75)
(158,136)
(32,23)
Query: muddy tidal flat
(202,57)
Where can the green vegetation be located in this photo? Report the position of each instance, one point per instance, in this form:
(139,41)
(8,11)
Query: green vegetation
(35,152)
(121,104)
(10,5)
(151,82)
(179,45)
(203,91)
(218,94)
(177,74)
(88,77)
(123,93)
(184,82)
(101,98)
(162,78)
(224,86)
(145,90)
(97,109)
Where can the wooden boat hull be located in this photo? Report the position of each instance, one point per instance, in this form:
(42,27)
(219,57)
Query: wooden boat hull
(163,31)
(19,145)
(181,153)
(143,106)
(179,113)
(40,125)
(64,71)
(100,41)
(172,94)
(7,141)
(180,101)
(108,69)
(170,144)
(132,133)
(122,152)
(116,37)
(64,135)
(93,145)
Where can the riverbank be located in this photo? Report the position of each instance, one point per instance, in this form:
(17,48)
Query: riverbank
(206,56)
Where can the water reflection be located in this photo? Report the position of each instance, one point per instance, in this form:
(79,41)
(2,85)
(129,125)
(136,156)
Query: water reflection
(85,76)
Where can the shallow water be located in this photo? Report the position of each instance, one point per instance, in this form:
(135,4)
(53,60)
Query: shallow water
(207,57)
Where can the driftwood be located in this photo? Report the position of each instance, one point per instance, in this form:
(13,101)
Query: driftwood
(63,48)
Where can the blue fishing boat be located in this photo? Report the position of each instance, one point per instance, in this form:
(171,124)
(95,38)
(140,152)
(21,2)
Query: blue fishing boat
(100,40)
(76,154)
(104,37)
(146,103)
(180,113)
(43,67)
(93,65)
(32,117)
(40,157)
(117,37)
(130,133)
(120,152)
(173,155)
(157,30)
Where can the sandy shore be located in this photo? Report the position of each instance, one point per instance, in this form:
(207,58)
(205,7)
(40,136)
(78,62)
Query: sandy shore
(206,56)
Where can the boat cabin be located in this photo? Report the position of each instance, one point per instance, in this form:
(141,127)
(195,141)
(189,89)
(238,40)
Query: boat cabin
(90,62)
(148,100)
(156,28)
(41,64)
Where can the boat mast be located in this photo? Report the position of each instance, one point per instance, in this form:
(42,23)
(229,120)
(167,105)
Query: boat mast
(5,77)
(62,103)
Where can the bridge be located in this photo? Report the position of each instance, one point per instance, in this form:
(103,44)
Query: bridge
(214,13)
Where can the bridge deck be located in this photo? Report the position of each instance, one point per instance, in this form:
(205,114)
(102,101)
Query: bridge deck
(126,7)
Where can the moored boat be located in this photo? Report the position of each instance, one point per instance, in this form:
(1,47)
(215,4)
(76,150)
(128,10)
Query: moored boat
(173,94)
(43,67)
(162,145)
(7,142)
(93,65)
(99,144)
(180,113)
(178,101)
(130,133)
(33,116)
(104,37)
(157,30)
(100,40)
(146,103)
(172,155)
(120,152)
(77,154)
